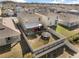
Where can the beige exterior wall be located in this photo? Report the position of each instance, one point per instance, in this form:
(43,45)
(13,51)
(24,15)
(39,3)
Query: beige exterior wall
(2,42)
(44,21)
(47,20)
(0,11)
(5,41)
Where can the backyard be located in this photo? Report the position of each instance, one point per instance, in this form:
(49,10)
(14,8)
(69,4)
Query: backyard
(64,31)
(38,42)
(71,35)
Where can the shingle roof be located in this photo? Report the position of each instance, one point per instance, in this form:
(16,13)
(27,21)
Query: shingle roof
(26,17)
(49,14)
(69,17)
(31,25)
(10,28)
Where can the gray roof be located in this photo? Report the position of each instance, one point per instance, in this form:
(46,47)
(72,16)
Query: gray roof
(10,29)
(69,17)
(31,25)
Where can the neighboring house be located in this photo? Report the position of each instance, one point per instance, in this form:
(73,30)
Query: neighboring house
(41,10)
(8,32)
(19,9)
(8,4)
(48,19)
(68,20)
(30,23)
(73,11)
(8,12)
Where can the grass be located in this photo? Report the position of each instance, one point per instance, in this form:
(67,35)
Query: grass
(28,55)
(15,52)
(64,31)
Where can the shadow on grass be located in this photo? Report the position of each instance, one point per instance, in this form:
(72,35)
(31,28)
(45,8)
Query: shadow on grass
(58,52)
(32,37)
(70,28)
(24,46)
(55,53)
(5,49)
(53,27)
(71,52)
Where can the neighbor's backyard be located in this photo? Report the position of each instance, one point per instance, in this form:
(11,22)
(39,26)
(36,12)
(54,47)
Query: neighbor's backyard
(65,32)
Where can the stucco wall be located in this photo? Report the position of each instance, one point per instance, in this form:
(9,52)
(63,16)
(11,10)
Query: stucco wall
(48,21)
(2,42)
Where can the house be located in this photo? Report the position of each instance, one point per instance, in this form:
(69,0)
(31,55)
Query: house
(68,20)
(73,11)
(19,9)
(48,19)
(8,4)
(30,23)
(8,12)
(41,10)
(8,32)
(30,26)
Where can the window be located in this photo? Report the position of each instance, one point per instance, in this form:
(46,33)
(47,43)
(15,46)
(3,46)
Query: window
(39,19)
(48,18)
(8,40)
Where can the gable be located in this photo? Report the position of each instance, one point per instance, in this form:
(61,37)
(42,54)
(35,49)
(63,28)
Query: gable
(8,31)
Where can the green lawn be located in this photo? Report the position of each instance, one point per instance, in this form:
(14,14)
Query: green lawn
(64,31)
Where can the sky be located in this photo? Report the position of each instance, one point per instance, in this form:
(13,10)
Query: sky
(56,1)
(48,1)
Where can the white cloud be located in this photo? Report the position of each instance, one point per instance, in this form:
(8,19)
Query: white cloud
(58,1)
(19,0)
(52,1)
(66,1)
(75,2)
